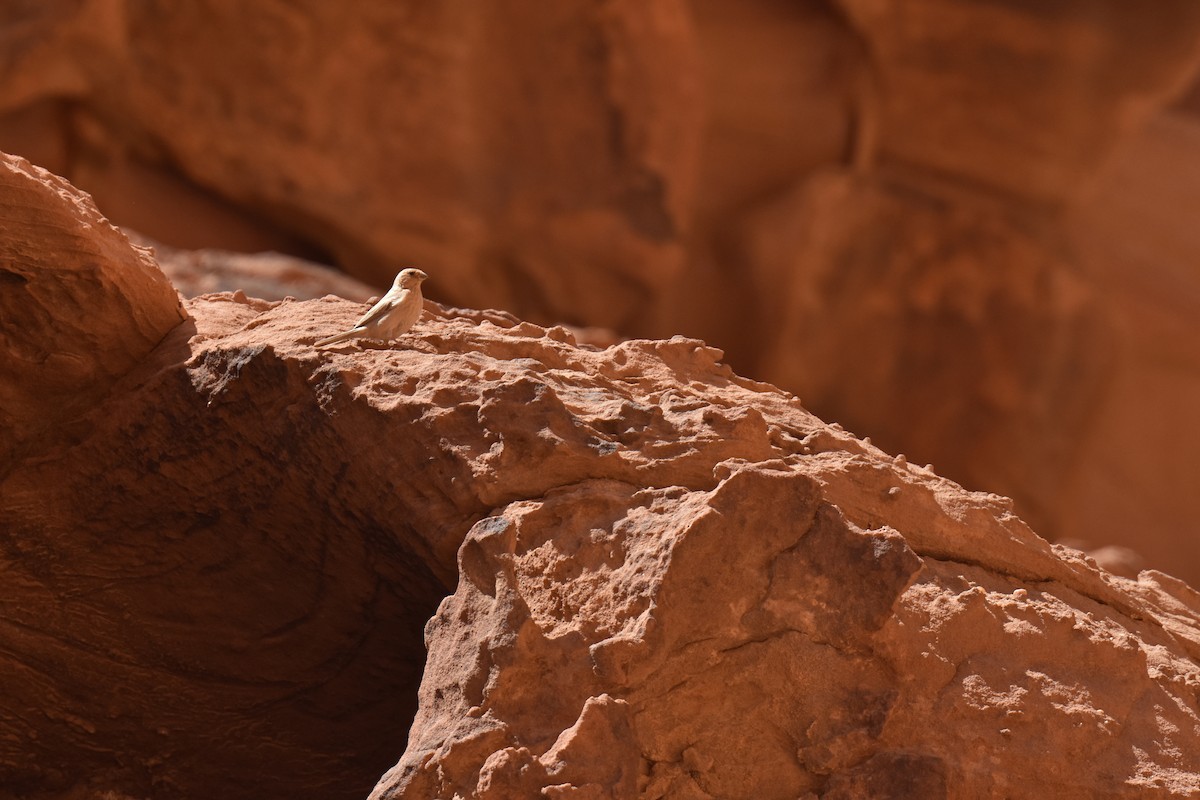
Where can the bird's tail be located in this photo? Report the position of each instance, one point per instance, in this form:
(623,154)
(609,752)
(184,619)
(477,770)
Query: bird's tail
(338,337)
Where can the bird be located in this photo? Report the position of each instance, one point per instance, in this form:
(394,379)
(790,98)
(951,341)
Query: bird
(394,314)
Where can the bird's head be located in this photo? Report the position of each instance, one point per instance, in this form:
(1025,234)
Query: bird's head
(408,278)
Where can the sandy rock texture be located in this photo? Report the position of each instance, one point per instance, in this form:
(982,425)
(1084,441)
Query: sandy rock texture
(617,182)
(863,201)
(609,640)
(638,575)
(78,305)
(391,130)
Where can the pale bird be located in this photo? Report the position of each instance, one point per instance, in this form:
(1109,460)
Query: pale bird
(394,314)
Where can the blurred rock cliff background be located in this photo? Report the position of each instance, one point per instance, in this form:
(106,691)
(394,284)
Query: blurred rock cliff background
(964,228)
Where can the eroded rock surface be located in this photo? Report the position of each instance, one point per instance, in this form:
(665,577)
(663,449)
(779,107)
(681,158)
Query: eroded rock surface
(671,582)
(79,305)
(971,317)
(961,82)
(399,131)
(661,168)
(638,574)
(825,620)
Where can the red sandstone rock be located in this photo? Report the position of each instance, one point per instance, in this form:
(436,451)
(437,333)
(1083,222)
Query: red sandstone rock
(670,575)
(1135,483)
(1024,97)
(79,305)
(671,582)
(971,318)
(831,622)
(664,167)
(393,131)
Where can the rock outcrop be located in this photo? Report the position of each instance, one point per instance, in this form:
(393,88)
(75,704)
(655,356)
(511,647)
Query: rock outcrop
(656,579)
(1020,98)
(391,130)
(813,618)
(79,307)
(859,200)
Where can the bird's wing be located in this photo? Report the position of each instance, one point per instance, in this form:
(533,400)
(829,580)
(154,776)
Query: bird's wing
(386,304)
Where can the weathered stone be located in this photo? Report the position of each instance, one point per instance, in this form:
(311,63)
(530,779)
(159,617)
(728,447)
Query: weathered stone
(671,582)
(1018,96)
(969,317)
(218,551)
(79,305)
(386,132)
(661,168)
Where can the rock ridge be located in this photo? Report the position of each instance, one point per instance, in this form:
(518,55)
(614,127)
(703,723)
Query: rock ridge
(251,568)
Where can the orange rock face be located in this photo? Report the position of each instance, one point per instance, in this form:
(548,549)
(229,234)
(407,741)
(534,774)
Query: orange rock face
(638,575)
(1016,96)
(863,201)
(592,170)
(79,306)
(827,622)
